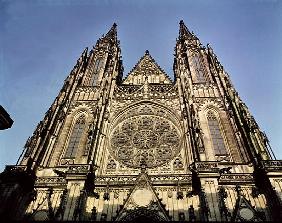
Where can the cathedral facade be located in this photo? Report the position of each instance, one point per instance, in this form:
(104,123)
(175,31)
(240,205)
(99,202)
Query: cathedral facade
(145,147)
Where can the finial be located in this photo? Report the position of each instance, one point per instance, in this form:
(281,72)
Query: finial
(143,165)
(147,52)
(114,25)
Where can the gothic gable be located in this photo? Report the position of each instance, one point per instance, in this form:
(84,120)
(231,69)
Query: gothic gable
(243,210)
(147,68)
(143,202)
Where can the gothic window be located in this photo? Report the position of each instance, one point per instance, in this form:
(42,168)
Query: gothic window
(97,67)
(75,137)
(198,68)
(217,139)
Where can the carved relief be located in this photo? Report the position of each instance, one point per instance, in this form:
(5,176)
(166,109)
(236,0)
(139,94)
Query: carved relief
(178,164)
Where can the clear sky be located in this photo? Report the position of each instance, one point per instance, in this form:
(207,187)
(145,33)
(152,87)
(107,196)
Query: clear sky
(40,42)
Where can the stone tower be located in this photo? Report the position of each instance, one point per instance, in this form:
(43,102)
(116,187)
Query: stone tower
(145,147)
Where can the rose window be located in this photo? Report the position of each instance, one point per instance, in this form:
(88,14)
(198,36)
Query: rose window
(148,138)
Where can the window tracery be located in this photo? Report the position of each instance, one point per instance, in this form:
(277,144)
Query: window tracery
(144,136)
(97,67)
(75,137)
(216,135)
(178,164)
(198,68)
(111,165)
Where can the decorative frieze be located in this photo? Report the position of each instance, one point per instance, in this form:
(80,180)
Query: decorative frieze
(206,166)
(155,179)
(273,165)
(236,178)
(52,181)
(78,169)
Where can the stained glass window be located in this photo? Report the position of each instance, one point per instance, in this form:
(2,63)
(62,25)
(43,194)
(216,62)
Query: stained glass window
(75,137)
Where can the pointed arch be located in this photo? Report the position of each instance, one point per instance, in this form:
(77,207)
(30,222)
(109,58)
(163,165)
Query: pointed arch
(97,67)
(198,68)
(75,137)
(216,134)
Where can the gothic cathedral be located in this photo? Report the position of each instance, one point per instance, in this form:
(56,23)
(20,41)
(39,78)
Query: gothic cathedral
(145,147)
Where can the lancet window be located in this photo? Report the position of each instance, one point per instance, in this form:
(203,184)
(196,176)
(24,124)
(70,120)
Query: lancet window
(97,67)
(198,68)
(216,134)
(75,137)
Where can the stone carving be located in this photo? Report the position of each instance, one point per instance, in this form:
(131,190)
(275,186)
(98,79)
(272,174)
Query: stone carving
(236,178)
(111,165)
(89,139)
(222,195)
(78,168)
(93,214)
(177,164)
(50,180)
(147,137)
(273,165)
(205,166)
(184,179)
(191,212)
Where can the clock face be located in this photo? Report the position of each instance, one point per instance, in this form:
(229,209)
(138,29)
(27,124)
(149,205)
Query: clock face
(246,213)
(150,138)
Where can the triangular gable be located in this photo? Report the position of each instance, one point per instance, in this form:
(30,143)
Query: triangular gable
(243,210)
(147,67)
(142,202)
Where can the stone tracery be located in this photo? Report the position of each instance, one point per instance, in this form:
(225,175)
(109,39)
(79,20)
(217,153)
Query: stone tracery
(145,136)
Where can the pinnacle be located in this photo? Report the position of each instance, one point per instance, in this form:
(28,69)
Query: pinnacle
(147,52)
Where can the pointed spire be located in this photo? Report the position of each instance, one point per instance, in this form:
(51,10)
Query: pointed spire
(112,33)
(184,31)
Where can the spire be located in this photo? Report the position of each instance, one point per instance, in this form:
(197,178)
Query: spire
(112,33)
(184,31)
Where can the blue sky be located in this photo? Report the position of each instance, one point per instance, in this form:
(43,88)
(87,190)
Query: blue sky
(41,40)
